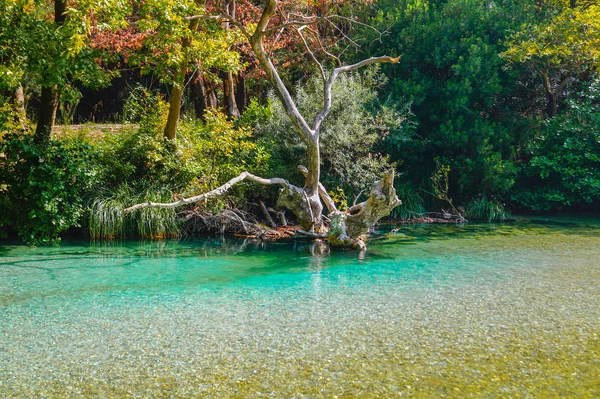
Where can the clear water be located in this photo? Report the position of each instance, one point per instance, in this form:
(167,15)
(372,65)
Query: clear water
(507,310)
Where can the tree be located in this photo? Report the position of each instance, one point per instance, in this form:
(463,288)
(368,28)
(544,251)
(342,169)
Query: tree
(47,44)
(305,202)
(179,37)
(464,98)
(350,136)
(559,48)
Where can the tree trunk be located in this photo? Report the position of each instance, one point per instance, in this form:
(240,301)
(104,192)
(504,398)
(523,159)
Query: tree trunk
(211,95)
(18,99)
(241,94)
(174,112)
(175,101)
(177,90)
(198,94)
(49,95)
(60,7)
(229,95)
(552,106)
(46,114)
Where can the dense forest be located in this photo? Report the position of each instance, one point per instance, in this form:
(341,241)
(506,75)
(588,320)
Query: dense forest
(493,108)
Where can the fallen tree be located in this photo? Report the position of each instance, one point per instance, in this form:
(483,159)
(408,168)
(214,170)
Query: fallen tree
(346,228)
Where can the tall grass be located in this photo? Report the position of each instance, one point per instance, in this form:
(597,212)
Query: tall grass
(484,209)
(412,203)
(107,219)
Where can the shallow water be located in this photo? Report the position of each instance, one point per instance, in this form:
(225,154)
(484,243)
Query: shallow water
(509,310)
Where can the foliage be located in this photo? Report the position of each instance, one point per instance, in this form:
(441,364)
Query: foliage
(340,199)
(564,165)
(562,42)
(43,188)
(441,185)
(570,38)
(484,209)
(204,155)
(348,136)
(461,93)
(139,100)
(142,165)
(37,49)
(171,41)
(10,119)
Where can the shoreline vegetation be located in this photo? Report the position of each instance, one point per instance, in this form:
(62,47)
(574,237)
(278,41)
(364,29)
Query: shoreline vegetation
(338,115)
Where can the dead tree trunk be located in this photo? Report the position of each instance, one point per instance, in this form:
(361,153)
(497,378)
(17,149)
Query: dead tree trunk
(305,202)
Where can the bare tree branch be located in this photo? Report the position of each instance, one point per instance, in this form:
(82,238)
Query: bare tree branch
(257,45)
(312,55)
(214,193)
(206,16)
(329,84)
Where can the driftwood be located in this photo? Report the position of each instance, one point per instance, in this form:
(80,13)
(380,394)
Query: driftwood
(266,214)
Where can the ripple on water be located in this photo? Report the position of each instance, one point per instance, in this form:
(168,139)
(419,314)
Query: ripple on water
(431,311)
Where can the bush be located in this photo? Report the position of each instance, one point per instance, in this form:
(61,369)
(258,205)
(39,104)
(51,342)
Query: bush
(142,165)
(201,157)
(564,159)
(137,104)
(43,187)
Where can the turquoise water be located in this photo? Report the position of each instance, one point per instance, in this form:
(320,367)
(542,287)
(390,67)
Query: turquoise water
(508,310)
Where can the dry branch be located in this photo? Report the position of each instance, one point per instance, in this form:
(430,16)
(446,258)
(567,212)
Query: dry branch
(214,193)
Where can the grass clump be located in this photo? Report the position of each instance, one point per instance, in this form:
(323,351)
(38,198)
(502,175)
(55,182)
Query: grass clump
(488,210)
(412,203)
(108,220)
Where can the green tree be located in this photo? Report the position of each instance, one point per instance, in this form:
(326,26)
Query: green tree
(563,45)
(461,93)
(564,158)
(47,44)
(181,36)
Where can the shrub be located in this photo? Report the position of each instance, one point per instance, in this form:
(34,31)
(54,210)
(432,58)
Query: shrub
(43,187)
(564,159)
(141,165)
